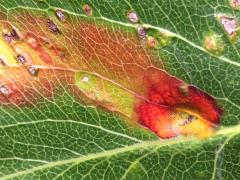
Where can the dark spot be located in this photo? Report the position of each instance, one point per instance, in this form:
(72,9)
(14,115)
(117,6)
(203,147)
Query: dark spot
(21,58)
(141,32)
(33,70)
(191,118)
(11,36)
(187,119)
(2,62)
(52,26)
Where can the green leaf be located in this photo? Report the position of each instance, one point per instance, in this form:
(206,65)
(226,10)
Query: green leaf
(66,137)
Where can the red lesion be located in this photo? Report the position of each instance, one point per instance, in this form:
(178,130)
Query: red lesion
(170,98)
(157,118)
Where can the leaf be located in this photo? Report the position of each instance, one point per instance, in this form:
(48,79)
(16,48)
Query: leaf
(51,130)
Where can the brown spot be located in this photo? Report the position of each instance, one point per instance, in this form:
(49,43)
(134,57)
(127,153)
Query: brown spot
(21,59)
(11,36)
(184,89)
(52,26)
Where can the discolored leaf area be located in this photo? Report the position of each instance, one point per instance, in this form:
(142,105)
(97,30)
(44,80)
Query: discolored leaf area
(83,82)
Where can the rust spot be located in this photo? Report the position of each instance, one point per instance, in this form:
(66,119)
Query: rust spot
(152,42)
(87,10)
(188,120)
(213,43)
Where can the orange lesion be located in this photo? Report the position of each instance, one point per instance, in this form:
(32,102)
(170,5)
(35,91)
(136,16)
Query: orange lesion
(92,46)
(155,99)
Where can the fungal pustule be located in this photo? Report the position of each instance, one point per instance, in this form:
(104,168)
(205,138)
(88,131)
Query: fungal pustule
(52,26)
(213,43)
(192,123)
(229,24)
(32,70)
(60,15)
(235,4)
(21,58)
(132,17)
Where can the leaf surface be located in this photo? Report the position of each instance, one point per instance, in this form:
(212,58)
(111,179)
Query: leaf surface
(59,132)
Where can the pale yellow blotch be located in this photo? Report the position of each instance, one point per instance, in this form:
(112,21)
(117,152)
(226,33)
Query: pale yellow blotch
(7,53)
(106,93)
(198,127)
(30,54)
